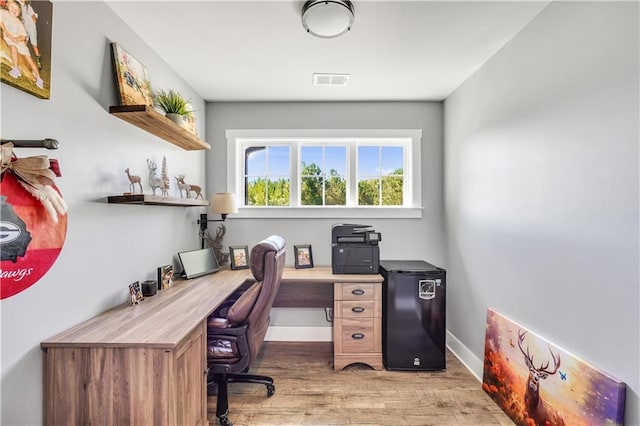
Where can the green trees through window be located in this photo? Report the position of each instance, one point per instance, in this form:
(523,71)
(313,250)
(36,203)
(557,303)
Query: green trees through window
(267,176)
(386,191)
(323,176)
(314,184)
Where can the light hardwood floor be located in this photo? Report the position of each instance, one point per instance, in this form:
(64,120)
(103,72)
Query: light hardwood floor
(310,392)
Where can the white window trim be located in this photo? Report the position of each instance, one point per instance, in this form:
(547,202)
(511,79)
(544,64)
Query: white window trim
(237,137)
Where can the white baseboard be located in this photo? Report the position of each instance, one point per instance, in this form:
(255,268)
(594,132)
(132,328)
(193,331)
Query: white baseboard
(466,357)
(299,334)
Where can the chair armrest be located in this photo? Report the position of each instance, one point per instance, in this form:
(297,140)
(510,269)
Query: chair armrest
(221,333)
(214,322)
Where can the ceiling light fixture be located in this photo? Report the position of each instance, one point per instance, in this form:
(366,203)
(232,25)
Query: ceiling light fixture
(327,18)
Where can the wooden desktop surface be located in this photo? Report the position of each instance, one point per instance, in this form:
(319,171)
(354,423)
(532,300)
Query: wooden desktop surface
(163,320)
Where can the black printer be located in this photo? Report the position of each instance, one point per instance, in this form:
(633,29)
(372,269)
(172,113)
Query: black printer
(354,249)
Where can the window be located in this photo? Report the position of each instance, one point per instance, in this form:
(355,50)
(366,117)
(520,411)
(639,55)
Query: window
(325,173)
(266,176)
(380,175)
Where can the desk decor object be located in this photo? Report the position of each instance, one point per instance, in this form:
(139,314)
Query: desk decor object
(149,288)
(535,382)
(135,293)
(132,78)
(165,277)
(303,256)
(26,64)
(239,257)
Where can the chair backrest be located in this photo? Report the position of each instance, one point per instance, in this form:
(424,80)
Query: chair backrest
(267,264)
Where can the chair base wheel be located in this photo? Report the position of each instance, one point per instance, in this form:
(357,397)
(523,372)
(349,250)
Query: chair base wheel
(224,421)
(271,389)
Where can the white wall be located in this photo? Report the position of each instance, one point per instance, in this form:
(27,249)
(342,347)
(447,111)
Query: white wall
(541,188)
(427,243)
(401,238)
(107,246)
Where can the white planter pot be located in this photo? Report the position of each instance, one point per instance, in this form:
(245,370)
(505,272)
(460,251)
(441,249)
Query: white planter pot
(176,118)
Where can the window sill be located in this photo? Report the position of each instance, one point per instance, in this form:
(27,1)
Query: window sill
(328,212)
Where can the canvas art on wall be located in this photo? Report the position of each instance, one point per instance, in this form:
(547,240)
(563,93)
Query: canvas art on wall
(25,45)
(536,383)
(131,77)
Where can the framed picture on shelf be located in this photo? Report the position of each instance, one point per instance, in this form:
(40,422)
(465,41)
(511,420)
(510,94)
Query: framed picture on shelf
(165,277)
(303,256)
(132,78)
(25,48)
(239,257)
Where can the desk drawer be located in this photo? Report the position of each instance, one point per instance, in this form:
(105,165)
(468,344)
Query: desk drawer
(357,335)
(355,291)
(357,309)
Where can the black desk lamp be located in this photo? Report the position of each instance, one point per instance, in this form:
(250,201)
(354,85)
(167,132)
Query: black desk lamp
(222,203)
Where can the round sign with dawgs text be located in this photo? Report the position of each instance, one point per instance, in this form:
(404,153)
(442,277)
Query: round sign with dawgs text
(30,238)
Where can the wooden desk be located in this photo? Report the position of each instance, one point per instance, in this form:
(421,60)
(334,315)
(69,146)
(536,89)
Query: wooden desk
(146,364)
(142,364)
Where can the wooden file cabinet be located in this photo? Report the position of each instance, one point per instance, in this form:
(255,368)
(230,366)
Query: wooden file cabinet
(131,385)
(357,324)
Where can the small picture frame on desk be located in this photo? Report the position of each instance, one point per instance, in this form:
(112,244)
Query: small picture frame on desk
(165,277)
(135,293)
(239,257)
(303,256)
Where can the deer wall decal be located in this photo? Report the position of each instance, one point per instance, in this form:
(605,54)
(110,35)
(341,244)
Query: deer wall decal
(540,411)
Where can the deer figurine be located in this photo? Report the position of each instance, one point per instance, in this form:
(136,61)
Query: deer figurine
(156,182)
(133,179)
(188,187)
(540,411)
(183,186)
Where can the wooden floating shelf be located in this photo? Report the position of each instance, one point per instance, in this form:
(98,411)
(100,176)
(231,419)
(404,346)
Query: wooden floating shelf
(156,200)
(150,120)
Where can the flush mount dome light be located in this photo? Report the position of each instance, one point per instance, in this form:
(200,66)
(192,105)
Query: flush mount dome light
(327,18)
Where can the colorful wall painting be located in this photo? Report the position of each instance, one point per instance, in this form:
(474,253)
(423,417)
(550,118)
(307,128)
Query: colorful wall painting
(25,45)
(536,383)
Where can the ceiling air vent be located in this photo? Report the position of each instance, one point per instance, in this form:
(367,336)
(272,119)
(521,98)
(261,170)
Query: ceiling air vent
(330,79)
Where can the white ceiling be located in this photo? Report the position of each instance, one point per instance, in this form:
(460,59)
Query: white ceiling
(259,51)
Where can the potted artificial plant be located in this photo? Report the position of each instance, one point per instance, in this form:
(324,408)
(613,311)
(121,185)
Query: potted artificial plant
(174,105)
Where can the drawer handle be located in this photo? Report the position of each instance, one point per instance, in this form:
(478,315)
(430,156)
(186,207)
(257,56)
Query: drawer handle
(357,336)
(358,309)
(357,292)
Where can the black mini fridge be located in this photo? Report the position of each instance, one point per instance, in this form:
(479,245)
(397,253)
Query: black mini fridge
(413,315)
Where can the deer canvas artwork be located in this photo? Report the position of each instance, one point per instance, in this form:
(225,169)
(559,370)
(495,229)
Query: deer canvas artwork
(537,384)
